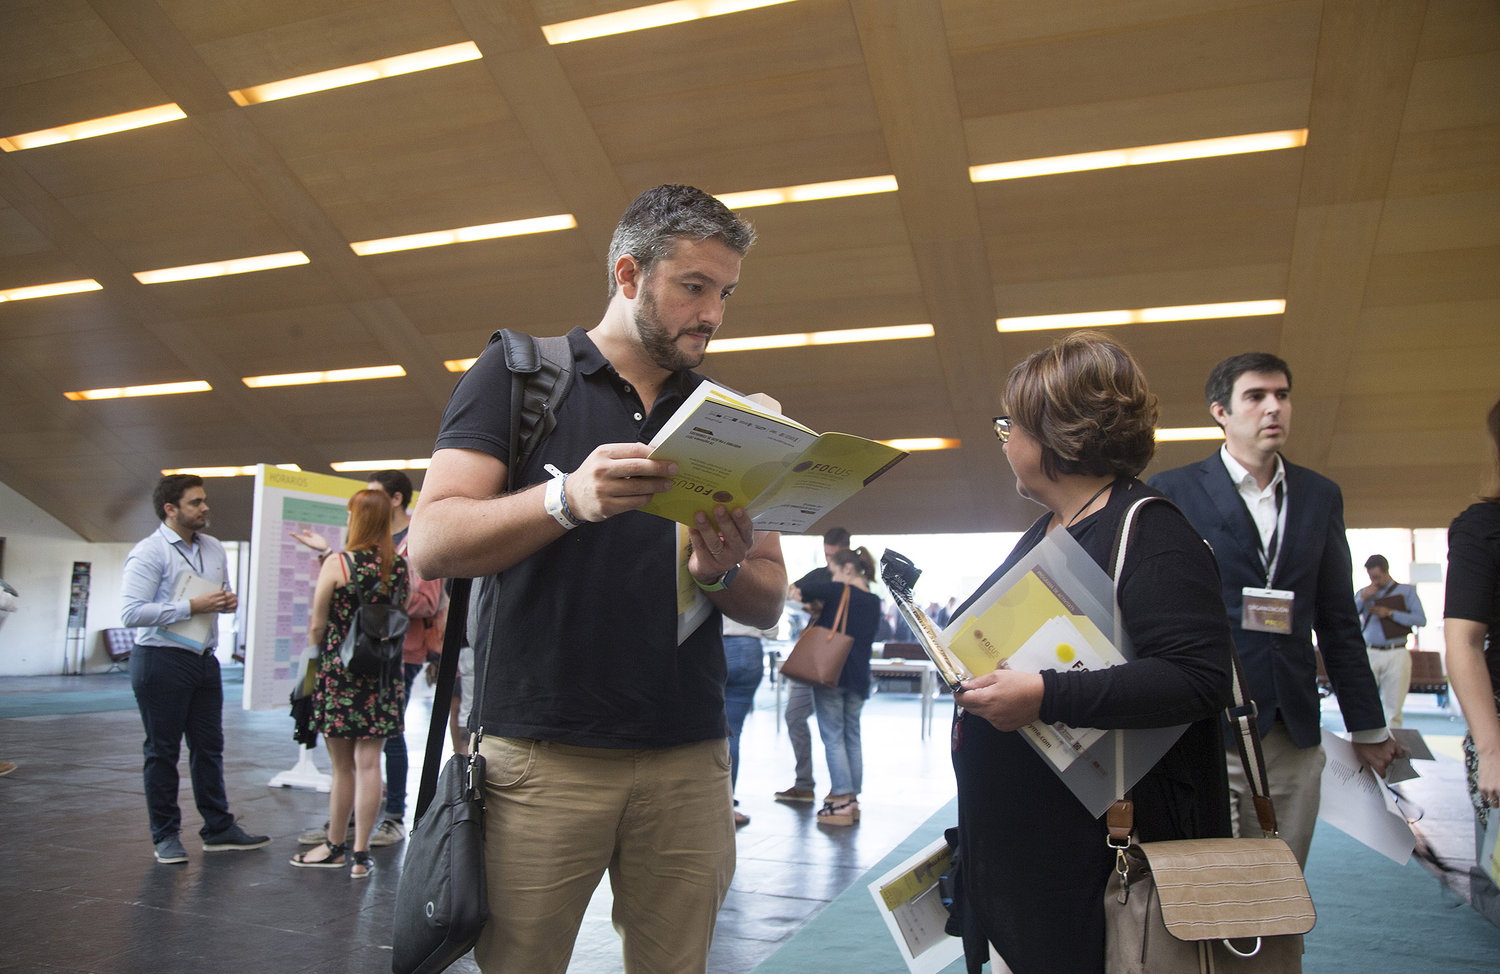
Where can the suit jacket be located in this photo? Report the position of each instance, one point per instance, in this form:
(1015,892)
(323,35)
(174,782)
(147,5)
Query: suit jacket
(1315,565)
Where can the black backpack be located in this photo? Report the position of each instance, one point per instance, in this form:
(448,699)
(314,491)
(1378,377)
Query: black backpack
(372,647)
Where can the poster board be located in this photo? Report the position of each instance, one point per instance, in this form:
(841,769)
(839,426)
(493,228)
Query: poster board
(282,573)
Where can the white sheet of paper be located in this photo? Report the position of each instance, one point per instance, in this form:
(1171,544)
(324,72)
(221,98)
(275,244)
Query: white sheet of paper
(917,924)
(1357,802)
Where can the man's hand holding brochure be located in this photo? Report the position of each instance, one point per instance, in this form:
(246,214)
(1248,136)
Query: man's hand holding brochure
(731,450)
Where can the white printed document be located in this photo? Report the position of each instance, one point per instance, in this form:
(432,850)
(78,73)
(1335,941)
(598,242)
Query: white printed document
(192,632)
(1358,802)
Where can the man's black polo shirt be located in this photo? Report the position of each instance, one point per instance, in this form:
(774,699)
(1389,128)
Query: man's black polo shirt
(582,636)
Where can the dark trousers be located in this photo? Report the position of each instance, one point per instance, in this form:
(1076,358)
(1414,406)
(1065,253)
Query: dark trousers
(180,694)
(396,761)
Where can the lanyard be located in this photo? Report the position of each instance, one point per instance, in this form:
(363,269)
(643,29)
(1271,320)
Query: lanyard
(183,555)
(1270,552)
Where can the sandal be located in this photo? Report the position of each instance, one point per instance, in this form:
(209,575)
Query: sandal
(364,866)
(839,810)
(334,859)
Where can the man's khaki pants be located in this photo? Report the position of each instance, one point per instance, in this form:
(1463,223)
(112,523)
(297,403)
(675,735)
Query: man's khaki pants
(1296,776)
(660,820)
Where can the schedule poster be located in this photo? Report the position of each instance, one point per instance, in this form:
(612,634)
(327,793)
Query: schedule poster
(283,572)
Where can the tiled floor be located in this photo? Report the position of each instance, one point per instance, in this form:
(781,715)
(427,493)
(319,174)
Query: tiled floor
(80,891)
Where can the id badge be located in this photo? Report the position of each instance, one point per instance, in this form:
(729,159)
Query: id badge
(1267,610)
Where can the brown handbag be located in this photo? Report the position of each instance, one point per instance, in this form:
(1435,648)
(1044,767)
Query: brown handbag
(1206,905)
(820,652)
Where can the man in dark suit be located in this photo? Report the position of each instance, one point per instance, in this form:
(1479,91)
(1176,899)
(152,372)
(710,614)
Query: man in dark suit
(1277,531)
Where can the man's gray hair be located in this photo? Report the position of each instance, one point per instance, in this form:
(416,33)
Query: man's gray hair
(659,217)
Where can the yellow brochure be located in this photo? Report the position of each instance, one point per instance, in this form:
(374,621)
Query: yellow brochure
(733,451)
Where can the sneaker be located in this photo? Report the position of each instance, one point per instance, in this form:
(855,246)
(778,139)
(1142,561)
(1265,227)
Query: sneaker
(388,832)
(234,839)
(314,836)
(170,850)
(795,794)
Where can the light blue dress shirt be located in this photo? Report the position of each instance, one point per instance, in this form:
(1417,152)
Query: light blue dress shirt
(152,570)
(1413,616)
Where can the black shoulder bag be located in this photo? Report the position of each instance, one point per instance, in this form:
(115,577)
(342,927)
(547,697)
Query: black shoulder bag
(442,901)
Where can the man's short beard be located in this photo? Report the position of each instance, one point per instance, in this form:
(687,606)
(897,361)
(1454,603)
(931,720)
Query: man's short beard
(658,343)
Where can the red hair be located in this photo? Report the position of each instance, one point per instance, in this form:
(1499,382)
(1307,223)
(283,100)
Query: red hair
(370,529)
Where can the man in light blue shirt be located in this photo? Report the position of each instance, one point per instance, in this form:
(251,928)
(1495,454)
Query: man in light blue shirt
(1389,611)
(172,578)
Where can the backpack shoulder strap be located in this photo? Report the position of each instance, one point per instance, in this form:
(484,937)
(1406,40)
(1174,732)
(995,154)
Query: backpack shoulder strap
(545,366)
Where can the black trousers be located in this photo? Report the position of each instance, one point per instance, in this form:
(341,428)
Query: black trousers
(180,694)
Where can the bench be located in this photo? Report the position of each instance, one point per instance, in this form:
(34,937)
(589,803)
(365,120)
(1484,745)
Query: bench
(1427,675)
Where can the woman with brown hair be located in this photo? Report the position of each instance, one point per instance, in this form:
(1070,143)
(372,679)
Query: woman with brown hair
(838,707)
(1471,632)
(354,713)
(1081,427)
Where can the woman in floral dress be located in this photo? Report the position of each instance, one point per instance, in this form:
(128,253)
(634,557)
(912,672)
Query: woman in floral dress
(354,713)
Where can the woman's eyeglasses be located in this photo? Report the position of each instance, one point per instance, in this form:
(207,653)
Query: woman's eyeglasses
(1002,428)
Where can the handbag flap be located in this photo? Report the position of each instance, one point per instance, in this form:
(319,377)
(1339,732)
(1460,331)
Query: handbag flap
(1211,889)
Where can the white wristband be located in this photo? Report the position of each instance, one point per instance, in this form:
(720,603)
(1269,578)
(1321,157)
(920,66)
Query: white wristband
(556,506)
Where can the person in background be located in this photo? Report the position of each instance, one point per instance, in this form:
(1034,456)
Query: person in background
(1471,630)
(1390,661)
(178,688)
(839,707)
(799,697)
(1035,860)
(427,608)
(745,659)
(1277,533)
(354,713)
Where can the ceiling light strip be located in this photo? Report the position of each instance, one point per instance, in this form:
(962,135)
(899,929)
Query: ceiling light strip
(354,74)
(647,17)
(842,336)
(921,443)
(356,466)
(487,231)
(1180,434)
(221,268)
(49,290)
(122,122)
(130,392)
(226,471)
(864,186)
(1140,155)
(330,375)
(1105,319)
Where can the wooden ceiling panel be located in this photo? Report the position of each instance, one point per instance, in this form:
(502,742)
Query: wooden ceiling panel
(1440,222)
(1454,92)
(283,288)
(1175,116)
(125,162)
(179,221)
(43,39)
(1260,43)
(271,41)
(108,89)
(477,264)
(1153,288)
(1446,161)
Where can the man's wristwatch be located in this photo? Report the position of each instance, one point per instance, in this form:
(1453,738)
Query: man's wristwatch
(721,583)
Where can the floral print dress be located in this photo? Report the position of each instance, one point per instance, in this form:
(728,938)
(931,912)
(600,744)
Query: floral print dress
(344,704)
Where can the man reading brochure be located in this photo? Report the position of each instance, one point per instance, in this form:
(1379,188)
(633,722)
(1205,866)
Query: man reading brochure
(604,724)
